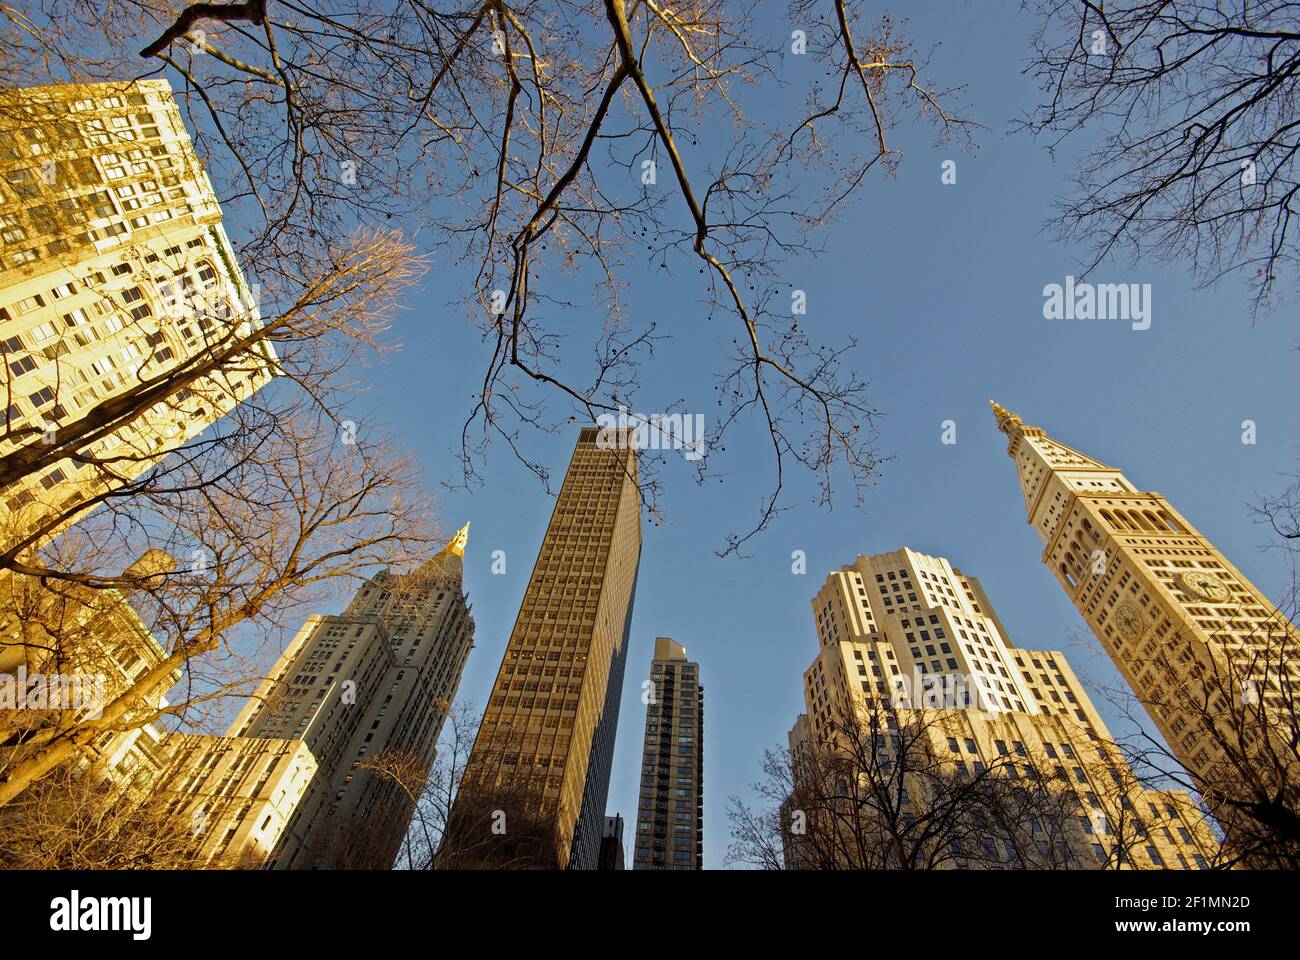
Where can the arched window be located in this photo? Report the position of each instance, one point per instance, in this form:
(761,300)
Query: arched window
(206,273)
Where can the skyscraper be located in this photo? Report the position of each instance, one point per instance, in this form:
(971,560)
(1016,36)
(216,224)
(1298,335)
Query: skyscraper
(670,815)
(611,844)
(910,640)
(367,692)
(533,794)
(114,269)
(1214,662)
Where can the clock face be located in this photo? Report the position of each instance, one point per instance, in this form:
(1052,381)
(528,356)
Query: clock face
(1130,621)
(1203,585)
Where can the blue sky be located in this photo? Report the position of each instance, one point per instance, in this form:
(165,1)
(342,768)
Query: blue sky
(942,288)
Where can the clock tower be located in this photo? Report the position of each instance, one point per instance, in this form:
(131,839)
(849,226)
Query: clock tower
(1215,663)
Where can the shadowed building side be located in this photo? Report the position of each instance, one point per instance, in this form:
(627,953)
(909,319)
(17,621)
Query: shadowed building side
(367,692)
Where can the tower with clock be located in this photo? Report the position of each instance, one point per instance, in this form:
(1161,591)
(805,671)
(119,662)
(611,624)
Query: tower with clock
(1214,662)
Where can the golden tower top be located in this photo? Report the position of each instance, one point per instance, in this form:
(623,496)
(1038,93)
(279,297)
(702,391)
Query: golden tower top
(458,543)
(1008,422)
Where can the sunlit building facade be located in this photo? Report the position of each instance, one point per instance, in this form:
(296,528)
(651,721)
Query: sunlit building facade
(114,270)
(533,795)
(1214,662)
(234,796)
(913,640)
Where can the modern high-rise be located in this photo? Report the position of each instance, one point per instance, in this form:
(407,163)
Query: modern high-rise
(911,639)
(114,269)
(367,692)
(670,815)
(533,794)
(611,845)
(1215,663)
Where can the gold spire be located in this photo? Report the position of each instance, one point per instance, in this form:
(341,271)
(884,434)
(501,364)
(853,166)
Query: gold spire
(450,559)
(458,543)
(1007,421)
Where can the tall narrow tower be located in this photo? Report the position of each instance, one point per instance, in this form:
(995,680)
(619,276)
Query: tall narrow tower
(670,816)
(533,794)
(1210,657)
(367,692)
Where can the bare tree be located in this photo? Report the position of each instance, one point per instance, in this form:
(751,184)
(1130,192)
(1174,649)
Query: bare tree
(338,315)
(541,144)
(290,513)
(430,790)
(879,796)
(1193,106)
(758,834)
(499,822)
(346,843)
(425,790)
(1280,513)
(504,826)
(74,819)
(891,789)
